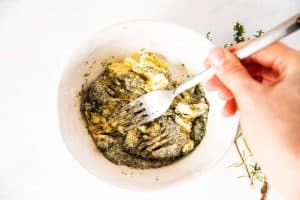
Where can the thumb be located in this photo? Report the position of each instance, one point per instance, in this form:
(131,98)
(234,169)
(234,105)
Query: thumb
(232,73)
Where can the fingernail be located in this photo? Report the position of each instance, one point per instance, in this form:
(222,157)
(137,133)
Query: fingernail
(216,57)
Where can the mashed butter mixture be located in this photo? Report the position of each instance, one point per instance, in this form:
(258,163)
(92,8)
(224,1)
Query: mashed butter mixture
(158,143)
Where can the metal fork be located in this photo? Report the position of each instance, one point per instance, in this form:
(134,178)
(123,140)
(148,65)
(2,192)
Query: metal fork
(153,104)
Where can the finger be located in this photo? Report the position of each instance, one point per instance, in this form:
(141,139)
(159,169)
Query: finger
(269,76)
(232,73)
(225,94)
(263,74)
(214,83)
(276,56)
(230,108)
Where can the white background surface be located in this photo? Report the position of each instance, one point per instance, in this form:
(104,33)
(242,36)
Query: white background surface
(36,40)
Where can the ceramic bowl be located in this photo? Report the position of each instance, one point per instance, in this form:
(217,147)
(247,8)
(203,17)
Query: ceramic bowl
(179,45)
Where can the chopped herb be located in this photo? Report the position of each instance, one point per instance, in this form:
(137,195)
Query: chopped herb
(226,45)
(258,33)
(208,36)
(238,32)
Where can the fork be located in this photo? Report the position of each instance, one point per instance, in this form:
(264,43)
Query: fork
(145,109)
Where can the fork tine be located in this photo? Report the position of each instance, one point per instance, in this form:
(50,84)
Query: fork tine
(132,118)
(139,116)
(124,108)
(138,107)
(128,109)
(140,122)
(128,106)
(123,119)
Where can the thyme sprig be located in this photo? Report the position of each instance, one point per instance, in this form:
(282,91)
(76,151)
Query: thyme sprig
(253,170)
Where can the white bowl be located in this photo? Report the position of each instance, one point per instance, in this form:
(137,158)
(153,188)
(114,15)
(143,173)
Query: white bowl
(179,45)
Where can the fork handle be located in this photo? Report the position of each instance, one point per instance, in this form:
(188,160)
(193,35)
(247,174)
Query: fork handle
(280,31)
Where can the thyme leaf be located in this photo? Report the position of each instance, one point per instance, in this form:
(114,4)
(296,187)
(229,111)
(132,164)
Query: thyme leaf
(238,32)
(208,36)
(258,33)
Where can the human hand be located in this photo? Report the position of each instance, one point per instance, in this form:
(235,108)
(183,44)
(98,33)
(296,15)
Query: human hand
(265,89)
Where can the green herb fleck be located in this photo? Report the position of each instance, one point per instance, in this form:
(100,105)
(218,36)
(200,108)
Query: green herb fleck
(239,32)
(208,36)
(258,33)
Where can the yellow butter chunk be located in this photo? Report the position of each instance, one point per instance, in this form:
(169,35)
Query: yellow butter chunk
(102,124)
(157,82)
(150,66)
(132,61)
(148,73)
(153,130)
(187,125)
(147,64)
(131,139)
(142,128)
(182,108)
(155,60)
(191,110)
(119,68)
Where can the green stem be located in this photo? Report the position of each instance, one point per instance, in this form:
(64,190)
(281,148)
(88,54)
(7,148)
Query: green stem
(248,148)
(243,161)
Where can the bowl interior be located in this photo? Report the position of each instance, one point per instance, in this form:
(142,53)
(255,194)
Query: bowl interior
(179,45)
